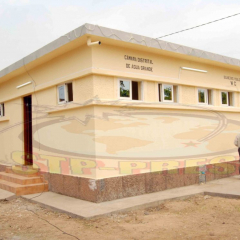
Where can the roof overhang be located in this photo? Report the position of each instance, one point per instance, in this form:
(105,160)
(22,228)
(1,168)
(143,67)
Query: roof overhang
(75,38)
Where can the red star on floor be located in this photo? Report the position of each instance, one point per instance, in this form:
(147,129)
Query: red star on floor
(191,144)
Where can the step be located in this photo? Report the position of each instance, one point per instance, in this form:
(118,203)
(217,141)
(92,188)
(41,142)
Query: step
(19,179)
(19,189)
(23,170)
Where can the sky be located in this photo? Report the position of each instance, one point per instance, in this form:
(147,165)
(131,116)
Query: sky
(27,25)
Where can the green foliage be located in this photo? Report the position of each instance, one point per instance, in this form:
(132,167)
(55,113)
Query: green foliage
(201,96)
(224,98)
(124,92)
(168,93)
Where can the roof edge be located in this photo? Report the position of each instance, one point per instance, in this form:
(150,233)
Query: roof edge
(117,35)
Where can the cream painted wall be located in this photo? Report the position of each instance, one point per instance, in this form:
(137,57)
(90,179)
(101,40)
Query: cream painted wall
(63,68)
(104,87)
(83,89)
(149,91)
(188,95)
(138,140)
(61,142)
(74,138)
(165,69)
(11,130)
(45,98)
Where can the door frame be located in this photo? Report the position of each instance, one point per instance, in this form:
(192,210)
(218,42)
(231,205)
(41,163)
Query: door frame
(27,125)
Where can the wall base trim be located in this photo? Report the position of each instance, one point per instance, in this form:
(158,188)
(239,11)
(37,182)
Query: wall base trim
(101,190)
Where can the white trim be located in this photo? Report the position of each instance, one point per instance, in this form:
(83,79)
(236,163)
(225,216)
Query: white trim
(65,92)
(205,96)
(193,69)
(59,102)
(22,85)
(163,100)
(1,109)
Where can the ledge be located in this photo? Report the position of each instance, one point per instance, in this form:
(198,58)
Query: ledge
(144,105)
(66,107)
(4,119)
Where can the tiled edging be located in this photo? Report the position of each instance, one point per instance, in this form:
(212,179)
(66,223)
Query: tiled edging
(133,185)
(120,187)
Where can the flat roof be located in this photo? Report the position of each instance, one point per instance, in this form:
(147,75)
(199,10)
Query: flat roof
(96,30)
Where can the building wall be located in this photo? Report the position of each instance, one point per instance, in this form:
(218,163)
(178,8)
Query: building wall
(99,136)
(165,68)
(46,78)
(10,131)
(60,69)
(83,89)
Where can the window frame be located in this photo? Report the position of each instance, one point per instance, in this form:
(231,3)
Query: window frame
(163,100)
(227,104)
(2,110)
(130,90)
(65,92)
(205,96)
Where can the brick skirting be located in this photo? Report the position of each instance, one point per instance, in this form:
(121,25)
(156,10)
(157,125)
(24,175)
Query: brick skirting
(132,185)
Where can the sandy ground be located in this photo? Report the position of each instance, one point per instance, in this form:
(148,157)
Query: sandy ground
(198,217)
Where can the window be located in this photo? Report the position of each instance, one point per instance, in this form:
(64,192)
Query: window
(125,89)
(2,114)
(131,90)
(227,99)
(202,96)
(205,96)
(167,93)
(65,93)
(224,97)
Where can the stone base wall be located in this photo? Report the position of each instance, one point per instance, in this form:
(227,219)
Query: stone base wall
(2,168)
(132,185)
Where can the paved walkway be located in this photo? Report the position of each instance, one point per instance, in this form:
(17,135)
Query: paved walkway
(227,187)
(6,195)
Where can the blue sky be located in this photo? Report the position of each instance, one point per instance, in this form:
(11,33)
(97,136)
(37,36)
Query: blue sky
(26,25)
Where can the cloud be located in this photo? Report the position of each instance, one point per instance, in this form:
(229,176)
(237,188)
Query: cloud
(158,18)
(28,25)
(221,37)
(26,28)
(17,1)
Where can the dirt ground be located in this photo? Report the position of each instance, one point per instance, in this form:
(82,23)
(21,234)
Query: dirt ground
(199,217)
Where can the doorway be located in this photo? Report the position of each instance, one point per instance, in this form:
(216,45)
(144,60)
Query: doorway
(28,149)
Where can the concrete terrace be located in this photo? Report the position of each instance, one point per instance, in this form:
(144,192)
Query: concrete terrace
(227,187)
